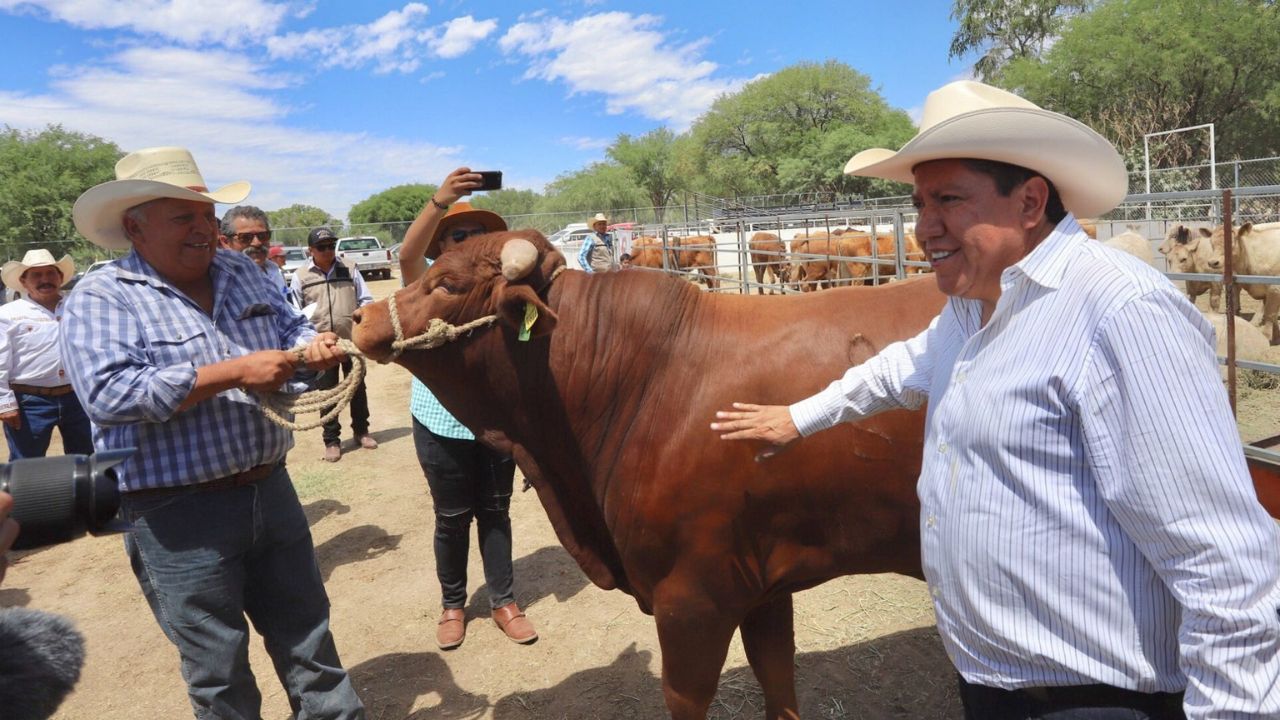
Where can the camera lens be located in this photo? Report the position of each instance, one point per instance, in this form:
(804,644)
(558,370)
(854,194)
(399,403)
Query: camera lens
(58,499)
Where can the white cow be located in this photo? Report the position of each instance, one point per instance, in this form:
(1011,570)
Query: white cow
(1130,241)
(1255,251)
(1186,251)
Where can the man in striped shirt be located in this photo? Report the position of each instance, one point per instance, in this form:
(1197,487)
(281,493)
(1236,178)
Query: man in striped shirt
(169,346)
(1090,534)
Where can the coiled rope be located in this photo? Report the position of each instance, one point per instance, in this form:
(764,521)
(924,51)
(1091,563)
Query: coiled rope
(277,406)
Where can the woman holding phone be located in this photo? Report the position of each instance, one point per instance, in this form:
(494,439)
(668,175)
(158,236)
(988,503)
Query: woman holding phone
(466,478)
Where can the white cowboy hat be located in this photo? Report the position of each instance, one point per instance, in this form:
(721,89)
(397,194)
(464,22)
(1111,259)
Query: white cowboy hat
(12,271)
(599,218)
(970,120)
(161,172)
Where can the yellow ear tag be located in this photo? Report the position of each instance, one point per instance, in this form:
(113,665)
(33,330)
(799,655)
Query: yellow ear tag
(530,317)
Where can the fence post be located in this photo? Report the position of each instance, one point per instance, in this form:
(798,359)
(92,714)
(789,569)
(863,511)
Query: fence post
(1229,287)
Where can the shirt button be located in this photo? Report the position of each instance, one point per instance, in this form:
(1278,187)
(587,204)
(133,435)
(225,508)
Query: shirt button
(936,591)
(932,521)
(942,448)
(960,376)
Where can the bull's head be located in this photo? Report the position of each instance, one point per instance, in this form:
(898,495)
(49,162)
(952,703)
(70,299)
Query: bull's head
(505,274)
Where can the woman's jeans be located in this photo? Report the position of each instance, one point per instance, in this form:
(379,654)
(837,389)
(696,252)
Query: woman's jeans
(468,480)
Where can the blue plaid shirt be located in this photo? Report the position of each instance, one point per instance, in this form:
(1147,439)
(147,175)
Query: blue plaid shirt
(132,343)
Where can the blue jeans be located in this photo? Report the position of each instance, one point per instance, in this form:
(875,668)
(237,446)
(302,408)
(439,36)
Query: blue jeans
(207,559)
(468,480)
(39,416)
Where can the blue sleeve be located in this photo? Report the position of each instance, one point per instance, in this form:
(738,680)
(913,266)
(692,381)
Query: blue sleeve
(103,348)
(582,255)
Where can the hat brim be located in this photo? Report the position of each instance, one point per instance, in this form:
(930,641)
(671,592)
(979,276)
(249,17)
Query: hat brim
(11,272)
(1088,172)
(99,211)
(490,221)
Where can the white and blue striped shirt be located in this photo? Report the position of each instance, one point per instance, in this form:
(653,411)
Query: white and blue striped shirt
(132,343)
(1087,515)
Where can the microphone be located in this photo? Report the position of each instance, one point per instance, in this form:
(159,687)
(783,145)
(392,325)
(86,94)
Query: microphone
(40,659)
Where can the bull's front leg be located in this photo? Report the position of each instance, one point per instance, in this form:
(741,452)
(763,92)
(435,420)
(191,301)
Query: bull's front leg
(768,636)
(694,636)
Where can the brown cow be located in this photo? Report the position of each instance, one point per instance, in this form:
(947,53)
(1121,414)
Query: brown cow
(768,256)
(647,252)
(816,263)
(606,410)
(697,254)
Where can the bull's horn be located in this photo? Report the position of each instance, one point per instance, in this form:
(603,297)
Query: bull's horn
(518,257)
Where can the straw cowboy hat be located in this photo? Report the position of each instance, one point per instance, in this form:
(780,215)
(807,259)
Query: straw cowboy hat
(12,271)
(599,218)
(161,172)
(970,120)
(463,212)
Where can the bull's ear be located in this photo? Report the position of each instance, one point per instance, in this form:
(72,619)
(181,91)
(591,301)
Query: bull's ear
(1206,232)
(513,307)
(1245,228)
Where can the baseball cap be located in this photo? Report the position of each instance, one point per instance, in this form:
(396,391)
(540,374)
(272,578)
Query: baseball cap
(319,235)
(276,251)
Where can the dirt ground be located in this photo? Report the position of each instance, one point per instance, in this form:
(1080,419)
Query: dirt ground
(866,645)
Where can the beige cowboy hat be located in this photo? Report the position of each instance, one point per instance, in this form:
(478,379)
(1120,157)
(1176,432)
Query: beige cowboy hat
(463,212)
(160,172)
(970,120)
(599,218)
(11,272)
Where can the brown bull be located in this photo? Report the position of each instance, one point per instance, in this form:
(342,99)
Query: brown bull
(647,252)
(606,409)
(768,256)
(697,254)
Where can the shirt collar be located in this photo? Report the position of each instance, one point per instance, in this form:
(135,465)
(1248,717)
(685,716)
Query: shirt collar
(133,267)
(1046,264)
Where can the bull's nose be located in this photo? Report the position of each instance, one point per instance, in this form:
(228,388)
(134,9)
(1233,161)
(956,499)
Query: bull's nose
(355,316)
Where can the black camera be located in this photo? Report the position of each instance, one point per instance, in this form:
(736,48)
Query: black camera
(490,179)
(57,499)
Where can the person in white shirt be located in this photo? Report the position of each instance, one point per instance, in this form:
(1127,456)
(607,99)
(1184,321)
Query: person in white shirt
(1090,535)
(35,395)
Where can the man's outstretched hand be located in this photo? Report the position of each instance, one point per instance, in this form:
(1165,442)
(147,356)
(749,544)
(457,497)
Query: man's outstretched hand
(770,423)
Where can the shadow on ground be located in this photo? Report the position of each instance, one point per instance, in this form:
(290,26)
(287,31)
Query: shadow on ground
(904,675)
(545,572)
(360,543)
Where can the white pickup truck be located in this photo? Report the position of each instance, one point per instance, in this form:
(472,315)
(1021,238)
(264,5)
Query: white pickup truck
(365,254)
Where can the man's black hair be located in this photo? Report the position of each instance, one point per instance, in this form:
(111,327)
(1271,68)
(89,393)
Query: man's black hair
(1008,176)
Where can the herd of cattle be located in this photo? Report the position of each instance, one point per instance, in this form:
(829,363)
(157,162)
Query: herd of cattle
(822,259)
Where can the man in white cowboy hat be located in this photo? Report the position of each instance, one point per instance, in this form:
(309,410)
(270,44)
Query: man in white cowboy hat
(35,396)
(170,345)
(596,254)
(1090,535)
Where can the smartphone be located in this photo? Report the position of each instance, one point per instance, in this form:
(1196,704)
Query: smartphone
(490,179)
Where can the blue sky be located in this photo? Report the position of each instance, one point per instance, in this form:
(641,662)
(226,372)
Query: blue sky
(325,103)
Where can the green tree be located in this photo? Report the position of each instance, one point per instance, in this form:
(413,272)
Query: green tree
(599,187)
(654,161)
(41,175)
(394,207)
(509,203)
(1007,30)
(793,131)
(291,225)
(1131,67)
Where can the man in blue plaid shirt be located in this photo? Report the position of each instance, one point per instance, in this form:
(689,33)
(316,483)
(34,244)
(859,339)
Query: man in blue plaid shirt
(167,346)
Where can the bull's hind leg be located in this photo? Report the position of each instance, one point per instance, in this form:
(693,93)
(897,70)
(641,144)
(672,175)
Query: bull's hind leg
(768,636)
(694,639)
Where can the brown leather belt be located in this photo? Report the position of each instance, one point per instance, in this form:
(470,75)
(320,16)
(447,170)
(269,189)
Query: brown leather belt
(248,477)
(37,390)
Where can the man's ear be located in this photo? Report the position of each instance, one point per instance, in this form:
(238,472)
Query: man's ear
(1035,196)
(513,305)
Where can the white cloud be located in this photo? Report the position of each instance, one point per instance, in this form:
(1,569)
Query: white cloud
(393,42)
(624,57)
(585,143)
(459,36)
(218,104)
(188,22)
